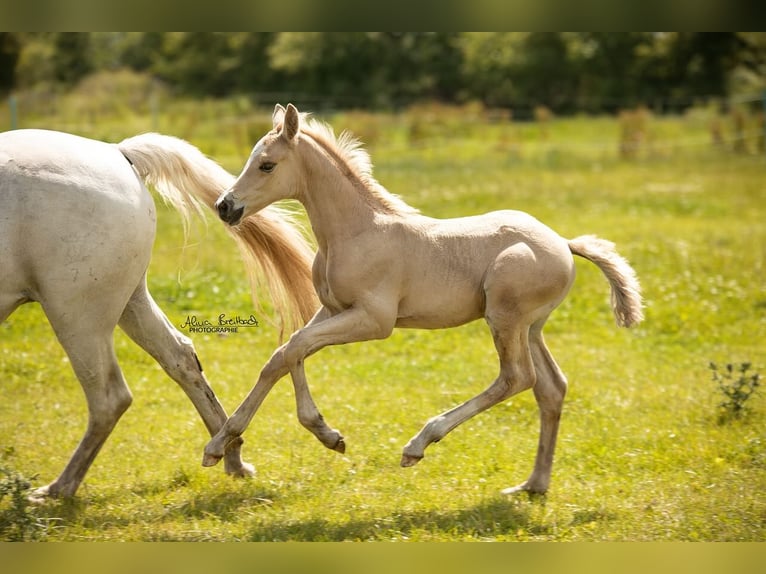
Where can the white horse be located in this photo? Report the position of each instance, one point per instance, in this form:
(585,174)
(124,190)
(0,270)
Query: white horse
(77,227)
(382,265)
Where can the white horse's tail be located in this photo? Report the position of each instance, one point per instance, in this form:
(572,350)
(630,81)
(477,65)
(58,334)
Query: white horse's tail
(270,239)
(626,290)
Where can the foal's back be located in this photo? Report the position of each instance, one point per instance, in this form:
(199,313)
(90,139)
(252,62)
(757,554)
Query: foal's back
(446,264)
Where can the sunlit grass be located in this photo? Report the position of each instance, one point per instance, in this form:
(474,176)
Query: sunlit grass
(641,456)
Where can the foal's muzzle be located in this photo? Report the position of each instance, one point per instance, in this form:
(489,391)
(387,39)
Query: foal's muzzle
(228,211)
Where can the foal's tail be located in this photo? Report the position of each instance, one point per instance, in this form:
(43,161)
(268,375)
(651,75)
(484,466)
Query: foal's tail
(626,291)
(271,239)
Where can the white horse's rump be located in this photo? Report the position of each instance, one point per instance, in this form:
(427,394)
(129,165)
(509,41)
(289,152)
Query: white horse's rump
(77,227)
(383,265)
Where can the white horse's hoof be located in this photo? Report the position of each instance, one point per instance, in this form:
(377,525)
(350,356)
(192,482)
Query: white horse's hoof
(247,470)
(39,495)
(243,470)
(523,487)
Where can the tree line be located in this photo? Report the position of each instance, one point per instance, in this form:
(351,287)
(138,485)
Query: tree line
(563,71)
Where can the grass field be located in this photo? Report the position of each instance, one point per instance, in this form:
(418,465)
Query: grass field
(643,453)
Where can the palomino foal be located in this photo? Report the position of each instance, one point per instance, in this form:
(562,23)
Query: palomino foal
(381,264)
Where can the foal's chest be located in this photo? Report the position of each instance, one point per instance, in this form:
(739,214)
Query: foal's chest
(331,284)
(342,277)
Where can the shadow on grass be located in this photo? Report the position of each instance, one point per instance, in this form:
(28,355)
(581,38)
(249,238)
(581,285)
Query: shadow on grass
(224,506)
(518,517)
(112,515)
(487,520)
(492,518)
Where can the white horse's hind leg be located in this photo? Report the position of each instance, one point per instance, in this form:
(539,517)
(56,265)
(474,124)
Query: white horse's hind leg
(145,323)
(93,360)
(8,305)
(550,391)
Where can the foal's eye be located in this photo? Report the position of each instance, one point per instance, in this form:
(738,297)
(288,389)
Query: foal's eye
(267,166)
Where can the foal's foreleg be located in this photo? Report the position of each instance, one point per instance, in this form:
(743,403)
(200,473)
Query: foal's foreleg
(358,323)
(231,431)
(145,323)
(308,413)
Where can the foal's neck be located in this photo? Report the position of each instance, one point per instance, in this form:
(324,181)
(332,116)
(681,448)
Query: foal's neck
(339,203)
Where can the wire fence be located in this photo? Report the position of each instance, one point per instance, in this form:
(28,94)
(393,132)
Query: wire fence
(736,124)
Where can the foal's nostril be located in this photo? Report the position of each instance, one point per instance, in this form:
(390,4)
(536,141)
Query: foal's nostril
(227,210)
(223,206)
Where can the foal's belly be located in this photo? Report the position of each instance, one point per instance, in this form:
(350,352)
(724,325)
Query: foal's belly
(438,307)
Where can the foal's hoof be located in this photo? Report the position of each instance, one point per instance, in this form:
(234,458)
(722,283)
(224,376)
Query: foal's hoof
(410,460)
(340,446)
(211,459)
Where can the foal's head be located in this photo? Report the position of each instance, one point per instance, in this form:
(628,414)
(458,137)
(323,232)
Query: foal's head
(269,174)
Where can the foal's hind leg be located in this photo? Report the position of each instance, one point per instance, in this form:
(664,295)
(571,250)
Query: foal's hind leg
(516,374)
(517,294)
(145,323)
(550,391)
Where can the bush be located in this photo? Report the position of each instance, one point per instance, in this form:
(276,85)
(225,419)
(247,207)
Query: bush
(737,386)
(18,521)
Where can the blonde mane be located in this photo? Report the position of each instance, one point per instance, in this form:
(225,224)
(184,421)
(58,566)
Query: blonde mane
(348,153)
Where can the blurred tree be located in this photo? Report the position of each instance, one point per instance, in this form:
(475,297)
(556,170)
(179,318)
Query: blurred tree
(709,57)
(520,70)
(419,65)
(142,50)
(584,71)
(489,62)
(254,73)
(544,75)
(10,49)
(199,63)
(375,69)
(72,57)
(607,65)
(340,68)
(750,75)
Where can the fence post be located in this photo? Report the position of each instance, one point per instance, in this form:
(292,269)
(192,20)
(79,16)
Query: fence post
(154,105)
(763,124)
(13,111)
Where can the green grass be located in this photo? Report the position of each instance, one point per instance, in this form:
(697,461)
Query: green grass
(641,454)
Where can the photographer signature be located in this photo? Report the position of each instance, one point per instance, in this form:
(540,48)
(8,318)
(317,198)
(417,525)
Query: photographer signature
(224,323)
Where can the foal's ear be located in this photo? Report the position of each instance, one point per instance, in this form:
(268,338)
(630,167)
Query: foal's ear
(291,123)
(278,115)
